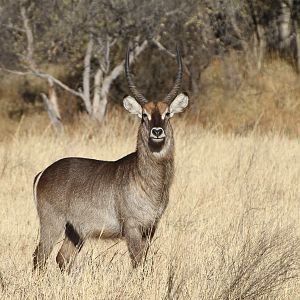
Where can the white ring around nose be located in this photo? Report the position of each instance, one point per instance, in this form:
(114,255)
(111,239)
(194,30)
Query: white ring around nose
(162,135)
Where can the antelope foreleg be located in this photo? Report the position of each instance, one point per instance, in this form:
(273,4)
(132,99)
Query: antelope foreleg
(137,245)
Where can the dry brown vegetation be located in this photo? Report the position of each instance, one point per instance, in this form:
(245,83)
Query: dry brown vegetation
(233,98)
(231,230)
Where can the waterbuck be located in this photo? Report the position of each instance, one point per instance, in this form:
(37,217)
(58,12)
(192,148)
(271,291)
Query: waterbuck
(111,199)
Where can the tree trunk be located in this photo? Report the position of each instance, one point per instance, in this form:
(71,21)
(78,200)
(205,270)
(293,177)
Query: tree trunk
(29,36)
(53,98)
(258,47)
(261,46)
(100,107)
(297,32)
(86,76)
(97,92)
(259,37)
(285,24)
(51,106)
(100,110)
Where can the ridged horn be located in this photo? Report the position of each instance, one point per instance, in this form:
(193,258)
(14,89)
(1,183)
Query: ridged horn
(136,94)
(177,85)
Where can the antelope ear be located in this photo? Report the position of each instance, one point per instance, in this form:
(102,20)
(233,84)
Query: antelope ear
(132,106)
(179,104)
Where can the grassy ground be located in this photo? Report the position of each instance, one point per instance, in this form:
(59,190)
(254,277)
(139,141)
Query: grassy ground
(231,230)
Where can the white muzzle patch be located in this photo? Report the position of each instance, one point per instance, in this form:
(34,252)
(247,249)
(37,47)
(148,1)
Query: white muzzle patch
(157,134)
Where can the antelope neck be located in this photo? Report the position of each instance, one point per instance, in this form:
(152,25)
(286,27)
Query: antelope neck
(155,168)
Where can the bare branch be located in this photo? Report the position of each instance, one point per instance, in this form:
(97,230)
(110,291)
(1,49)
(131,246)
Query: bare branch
(107,54)
(15,72)
(112,42)
(46,76)
(13,27)
(173,12)
(56,81)
(163,48)
(105,47)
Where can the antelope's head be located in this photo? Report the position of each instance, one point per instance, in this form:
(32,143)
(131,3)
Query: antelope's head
(155,115)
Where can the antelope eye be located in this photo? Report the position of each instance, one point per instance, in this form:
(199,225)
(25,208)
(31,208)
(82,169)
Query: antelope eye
(144,115)
(167,114)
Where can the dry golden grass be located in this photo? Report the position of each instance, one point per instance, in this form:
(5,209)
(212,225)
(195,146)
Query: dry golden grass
(231,230)
(239,99)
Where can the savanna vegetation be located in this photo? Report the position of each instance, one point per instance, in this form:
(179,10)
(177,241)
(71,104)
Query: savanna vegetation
(231,230)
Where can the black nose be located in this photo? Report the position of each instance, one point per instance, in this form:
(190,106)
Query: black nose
(157,132)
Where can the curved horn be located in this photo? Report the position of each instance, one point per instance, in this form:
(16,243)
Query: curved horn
(174,92)
(137,95)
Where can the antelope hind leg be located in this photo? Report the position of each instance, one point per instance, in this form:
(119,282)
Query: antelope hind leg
(50,231)
(66,255)
(71,246)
